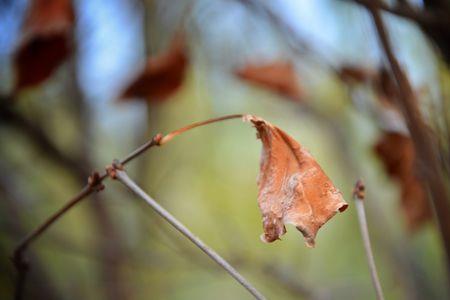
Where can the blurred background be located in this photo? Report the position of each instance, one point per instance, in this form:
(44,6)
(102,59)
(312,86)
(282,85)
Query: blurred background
(78,90)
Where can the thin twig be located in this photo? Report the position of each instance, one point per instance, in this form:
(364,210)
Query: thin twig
(159,140)
(433,18)
(421,16)
(113,280)
(424,143)
(18,256)
(174,133)
(13,199)
(273,272)
(94,184)
(401,257)
(87,190)
(132,186)
(358,197)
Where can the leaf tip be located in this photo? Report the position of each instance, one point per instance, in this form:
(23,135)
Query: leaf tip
(310,243)
(343,207)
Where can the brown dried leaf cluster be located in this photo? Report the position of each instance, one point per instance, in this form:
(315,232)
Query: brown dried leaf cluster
(46,41)
(396,151)
(293,189)
(380,80)
(279,77)
(162,76)
(395,148)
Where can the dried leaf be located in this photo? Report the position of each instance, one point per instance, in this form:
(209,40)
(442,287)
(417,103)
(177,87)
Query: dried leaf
(162,76)
(293,189)
(279,77)
(396,151)
(355,74)
(45,42)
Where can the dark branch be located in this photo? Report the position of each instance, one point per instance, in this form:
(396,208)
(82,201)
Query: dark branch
(424,143)
(421,16)
(94,184)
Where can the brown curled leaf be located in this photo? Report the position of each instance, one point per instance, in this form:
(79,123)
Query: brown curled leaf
(279,77)
(162,76)
(46,41)
(396,151)
(293,189)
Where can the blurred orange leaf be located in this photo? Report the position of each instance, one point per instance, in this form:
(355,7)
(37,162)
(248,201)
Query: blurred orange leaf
(45,42)
(279,77)
(162,76)
(396,151)
(293,188)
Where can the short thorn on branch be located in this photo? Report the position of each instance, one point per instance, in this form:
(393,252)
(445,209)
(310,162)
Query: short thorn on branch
(95,181)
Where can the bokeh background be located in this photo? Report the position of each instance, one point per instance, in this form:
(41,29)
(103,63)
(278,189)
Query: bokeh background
(112,246)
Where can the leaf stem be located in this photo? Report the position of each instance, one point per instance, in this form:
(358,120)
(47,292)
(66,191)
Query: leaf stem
(174,133)
(132,186)
(358,197)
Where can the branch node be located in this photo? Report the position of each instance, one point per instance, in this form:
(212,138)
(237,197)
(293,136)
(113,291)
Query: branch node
(95,181)
(157,139)
(112,169)
(359,191)
(19,261)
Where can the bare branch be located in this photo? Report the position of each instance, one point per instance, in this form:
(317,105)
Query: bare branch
(18,257)
(423,17)
(174,133)
(159,140)
(132,186)
(424,143)
(358,197)
(94,184)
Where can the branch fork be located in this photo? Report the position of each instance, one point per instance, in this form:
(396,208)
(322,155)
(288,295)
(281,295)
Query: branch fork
(95,184)
(95,181)
(113,168)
